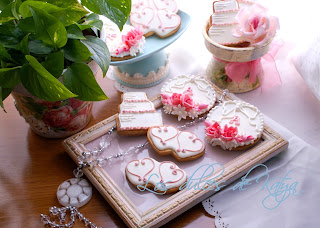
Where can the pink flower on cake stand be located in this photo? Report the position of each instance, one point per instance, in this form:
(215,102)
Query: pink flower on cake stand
(255,25)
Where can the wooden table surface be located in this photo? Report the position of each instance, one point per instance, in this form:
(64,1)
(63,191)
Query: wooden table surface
(32,168)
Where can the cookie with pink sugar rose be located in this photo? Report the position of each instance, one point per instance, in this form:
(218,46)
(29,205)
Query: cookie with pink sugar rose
(187,96)
(234,125)
(124,44)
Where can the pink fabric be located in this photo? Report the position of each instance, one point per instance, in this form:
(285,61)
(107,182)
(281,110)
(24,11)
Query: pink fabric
(264,68)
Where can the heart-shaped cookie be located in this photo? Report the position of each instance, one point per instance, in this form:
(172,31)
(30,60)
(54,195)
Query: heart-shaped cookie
(183,145)
(148,173)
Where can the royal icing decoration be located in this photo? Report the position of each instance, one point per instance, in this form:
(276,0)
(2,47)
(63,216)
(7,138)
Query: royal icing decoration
(148,170)
(137,112)
(155,16)
(128,42)
(233,124)
(182,144)
(187,96)
(223,22)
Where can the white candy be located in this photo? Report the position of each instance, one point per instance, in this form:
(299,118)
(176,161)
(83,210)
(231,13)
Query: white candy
(74,192)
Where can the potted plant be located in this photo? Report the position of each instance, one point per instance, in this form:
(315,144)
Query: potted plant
(49,53)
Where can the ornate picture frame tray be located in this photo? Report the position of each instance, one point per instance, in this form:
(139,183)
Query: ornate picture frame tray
(143,208)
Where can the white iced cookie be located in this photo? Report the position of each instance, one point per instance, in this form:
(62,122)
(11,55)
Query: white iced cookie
(223,21)
(187,96)
(123,44)
(166,176)
(136,114)
(234,125)
(74,192)
(155,16)
(183,145)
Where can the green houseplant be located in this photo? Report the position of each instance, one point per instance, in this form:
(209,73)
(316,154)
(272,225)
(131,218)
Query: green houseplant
(46,48)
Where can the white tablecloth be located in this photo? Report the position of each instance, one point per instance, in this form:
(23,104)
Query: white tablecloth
(292,105)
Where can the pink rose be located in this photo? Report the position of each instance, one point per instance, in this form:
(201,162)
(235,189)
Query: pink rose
(175,99)
(166,99)
(186,101)
(58,117)
(77,123)
(244,138)
(229,133)
(213,130)
(255,25)
(132,37)
(202,106)
(75,103)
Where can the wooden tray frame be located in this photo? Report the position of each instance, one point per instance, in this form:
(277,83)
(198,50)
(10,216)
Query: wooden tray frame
(179,202)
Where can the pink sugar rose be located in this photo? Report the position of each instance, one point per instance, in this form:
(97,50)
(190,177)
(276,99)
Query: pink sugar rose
(166,99)
(213,130)
(255,25)
(132,37)
(229,133)
(58,117)
(175,99)
(187,102)
(202,106)
(244,138)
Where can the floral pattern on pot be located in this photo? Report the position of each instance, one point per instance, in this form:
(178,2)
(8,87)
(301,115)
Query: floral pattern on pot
(54,119)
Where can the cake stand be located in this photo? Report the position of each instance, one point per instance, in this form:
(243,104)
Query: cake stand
(152,66)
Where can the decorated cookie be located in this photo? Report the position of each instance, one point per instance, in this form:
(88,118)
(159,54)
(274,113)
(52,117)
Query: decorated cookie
(187,96)
(166,176)
(183,145)
(123,44)
(155,16)
(234,125)
(136,114)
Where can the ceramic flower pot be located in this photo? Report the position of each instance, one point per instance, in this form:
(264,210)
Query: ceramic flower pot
(58,119)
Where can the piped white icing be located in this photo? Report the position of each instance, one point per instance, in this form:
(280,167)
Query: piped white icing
(183,143)
(139,172)
(112,35)
(241,115)
(156,16)
(137,112)
(202,93)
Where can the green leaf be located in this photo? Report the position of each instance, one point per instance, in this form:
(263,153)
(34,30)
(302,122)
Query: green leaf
(74,32)
(76,51)
(4,93)
(116,10)
(90,21)
(27,25)
(6,14)
(80,80)
(14,8)
(9,41)
(49,29)
(68,12)
(3,4)
(10,29)
(40,83)
(100,52)
(54,63)
(38,47)
(3,53)
(24,45)
(9,77)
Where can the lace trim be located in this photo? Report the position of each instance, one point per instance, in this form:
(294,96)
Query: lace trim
(208,205)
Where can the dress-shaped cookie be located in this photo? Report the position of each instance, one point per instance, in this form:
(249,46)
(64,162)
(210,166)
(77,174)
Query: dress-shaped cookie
(234,125)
